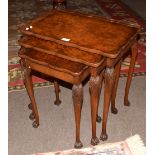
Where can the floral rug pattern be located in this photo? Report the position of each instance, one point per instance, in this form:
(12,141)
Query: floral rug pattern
(131,146)
(21,11)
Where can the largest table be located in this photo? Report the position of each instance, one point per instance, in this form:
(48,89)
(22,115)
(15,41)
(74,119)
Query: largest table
(109,38)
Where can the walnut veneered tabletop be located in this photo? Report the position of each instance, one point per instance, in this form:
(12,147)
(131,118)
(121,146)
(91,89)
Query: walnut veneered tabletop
(66,52)
(91,33)
(52,61)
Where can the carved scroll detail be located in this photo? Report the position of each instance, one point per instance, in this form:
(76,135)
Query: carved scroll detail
(109,73)
(26,69)
(94,82)
(77,93)
(109,76)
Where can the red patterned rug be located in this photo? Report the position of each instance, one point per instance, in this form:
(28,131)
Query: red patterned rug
(110,8)
(131,146)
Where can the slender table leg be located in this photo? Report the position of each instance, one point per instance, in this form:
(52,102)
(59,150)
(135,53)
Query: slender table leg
(28,84)
(99,119)
(77,94)
(114,89)
(134,52)
(23,65)
(57,90)
(94,87)
(109,72)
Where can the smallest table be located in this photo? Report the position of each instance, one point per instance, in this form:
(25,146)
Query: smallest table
(60,68)
(66,70)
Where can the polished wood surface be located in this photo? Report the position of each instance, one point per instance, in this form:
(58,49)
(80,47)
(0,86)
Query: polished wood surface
(91,33)
(84,40)
(66,52)
(69,69)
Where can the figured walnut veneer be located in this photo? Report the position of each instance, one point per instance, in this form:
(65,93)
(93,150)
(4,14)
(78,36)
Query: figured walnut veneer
(66,52)
(91,33)
(67,70)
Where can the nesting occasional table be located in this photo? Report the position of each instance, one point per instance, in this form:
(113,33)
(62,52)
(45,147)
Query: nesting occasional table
(71,46)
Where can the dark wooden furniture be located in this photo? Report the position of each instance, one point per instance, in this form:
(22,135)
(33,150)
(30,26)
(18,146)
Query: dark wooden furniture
(72,35)
(51,50)
(59,68)
(94,61)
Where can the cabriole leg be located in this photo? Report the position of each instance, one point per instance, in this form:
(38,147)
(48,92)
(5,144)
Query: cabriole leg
(77,94)
(95,88)
(114,89)
(29,87)
(134,52)
(107,97)
(98,118)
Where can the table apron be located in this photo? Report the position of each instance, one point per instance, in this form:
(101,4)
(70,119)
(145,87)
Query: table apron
(58,74)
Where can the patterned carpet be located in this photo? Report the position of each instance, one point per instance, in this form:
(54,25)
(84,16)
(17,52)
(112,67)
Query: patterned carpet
(131,146)
(21,11)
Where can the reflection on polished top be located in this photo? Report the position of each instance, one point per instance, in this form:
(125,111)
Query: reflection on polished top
(91,33)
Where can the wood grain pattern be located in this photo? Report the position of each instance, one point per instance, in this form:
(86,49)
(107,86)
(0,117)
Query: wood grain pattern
(56,67)
(66,52)
(90,33)
(48,60)
(69,46)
